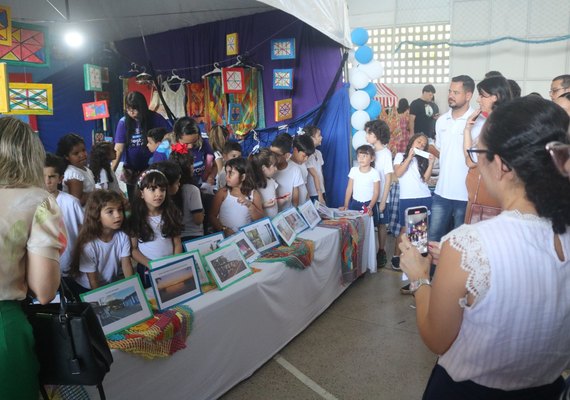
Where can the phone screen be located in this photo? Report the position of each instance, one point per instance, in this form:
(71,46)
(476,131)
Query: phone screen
(417,227)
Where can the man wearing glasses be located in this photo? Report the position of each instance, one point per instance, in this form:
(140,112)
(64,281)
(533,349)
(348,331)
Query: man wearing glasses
(559,86)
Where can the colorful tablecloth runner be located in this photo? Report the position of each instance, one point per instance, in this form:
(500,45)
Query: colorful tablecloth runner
(160,336)
(299,255)
(351,247)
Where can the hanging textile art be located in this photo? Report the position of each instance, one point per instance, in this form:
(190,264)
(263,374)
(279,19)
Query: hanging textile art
(283,49)
(283,78)
(232,45)
(283,109)
(233,80)
(235,113)
(216,105)
(195,101)
(92,77)
(29,46)
(31,98)
(248,101)
(5,26)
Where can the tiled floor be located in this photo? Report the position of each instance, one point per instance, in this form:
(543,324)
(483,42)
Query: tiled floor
(365,346)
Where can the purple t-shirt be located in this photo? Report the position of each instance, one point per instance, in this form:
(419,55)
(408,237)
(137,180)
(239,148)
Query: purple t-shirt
(136,154)
(200,159)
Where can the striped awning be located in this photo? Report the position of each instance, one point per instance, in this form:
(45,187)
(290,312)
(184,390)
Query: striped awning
(385,96)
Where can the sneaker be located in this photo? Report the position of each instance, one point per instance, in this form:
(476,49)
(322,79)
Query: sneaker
(405,289)
(381,259)
(396,263)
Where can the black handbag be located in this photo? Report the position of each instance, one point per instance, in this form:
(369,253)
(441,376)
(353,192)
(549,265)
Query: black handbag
(70,344)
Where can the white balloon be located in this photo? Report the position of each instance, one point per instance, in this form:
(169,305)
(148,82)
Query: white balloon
(358,119)
(359,139)
(351,90)
(373,70)
(351,58)
(359,100)
(358,78)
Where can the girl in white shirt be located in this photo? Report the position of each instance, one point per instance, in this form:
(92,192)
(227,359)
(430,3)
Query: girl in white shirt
(100,164)
(363,184)
(263,165)
(78,180)
(155,222)
(102,251)
(413,172)
(238,203)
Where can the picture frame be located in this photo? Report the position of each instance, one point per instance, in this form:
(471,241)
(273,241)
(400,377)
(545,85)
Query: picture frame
(295,220)
(283,109)
(262,234)
(248,250)
(119,305)
(283,49)
(95,110)
(92,77)
(30,98)
(283,228)
(324,210)
(310,214)
(227,265)
(176,282)
(232,44)
(283,79)
(233,80)
(201,247)
(30,45)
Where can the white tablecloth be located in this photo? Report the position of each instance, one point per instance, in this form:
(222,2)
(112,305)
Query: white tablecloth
(237,330)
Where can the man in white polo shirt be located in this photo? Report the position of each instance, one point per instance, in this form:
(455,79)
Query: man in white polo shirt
(450,199)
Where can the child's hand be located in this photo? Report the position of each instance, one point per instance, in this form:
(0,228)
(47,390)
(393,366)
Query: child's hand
(269,203)
(382,206)
(283,199)
(211,180)
(411,153)
(244,201)
(321,198)
(343,208)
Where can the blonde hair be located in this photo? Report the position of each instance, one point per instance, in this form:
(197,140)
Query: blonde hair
(217,137)
(22,154)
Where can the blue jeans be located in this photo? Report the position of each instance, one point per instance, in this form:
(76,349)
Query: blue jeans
(446,215)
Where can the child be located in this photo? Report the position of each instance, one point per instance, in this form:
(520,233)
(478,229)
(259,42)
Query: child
(218,137)
(78,180)
(378,135)
(100,164)
(188,198)
(230,151)
(413,173)
(102,246)
(155,222)
(263,166)
(187,133)
(363,184)
(173,174)
(158,145)
(303,148)
(238,203)
(315,180)
(54,168)
(288,175)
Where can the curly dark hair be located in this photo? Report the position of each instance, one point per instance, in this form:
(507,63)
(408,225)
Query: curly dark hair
(99,159)
(171,215)
(518,132)
(240,165)
(66,144)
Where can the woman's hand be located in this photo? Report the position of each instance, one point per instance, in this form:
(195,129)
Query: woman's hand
(411,261)
(471,120)
(434,248)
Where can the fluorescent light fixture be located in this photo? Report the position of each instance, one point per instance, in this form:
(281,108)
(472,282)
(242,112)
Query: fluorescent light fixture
(74,39)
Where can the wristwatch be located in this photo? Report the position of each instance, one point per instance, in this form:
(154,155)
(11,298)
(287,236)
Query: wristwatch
(415,285)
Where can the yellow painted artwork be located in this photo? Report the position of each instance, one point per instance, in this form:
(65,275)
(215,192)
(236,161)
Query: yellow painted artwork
(232,47)
(4,103)
(283,109)
(30,98)
(5,26)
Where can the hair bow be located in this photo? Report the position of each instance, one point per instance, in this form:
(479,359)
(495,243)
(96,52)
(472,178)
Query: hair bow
(180,148)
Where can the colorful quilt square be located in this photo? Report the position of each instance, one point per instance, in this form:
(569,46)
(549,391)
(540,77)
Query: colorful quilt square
(31,98)
(235,113)
(92,77)
(4,98)
(95,110)
(232,44)
(283,79)
(283,49)
(233,80)
(283,109)
(29,46)
(5,26)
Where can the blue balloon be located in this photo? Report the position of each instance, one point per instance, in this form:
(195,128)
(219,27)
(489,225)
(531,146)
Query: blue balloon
(370,89)
(364,55)
(374,109)
(359,36)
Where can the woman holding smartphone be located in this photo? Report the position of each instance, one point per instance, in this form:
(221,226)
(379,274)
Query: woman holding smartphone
(497,311)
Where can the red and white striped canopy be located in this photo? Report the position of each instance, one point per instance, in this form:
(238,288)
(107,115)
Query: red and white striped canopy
(385,96)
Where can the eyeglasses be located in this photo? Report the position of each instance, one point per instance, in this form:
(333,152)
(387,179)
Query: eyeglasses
(556,90)
(560,154)
(474,152)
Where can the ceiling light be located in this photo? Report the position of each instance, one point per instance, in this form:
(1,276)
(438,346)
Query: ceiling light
(74,39)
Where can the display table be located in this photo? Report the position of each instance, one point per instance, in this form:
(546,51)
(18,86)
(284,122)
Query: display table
(238,329)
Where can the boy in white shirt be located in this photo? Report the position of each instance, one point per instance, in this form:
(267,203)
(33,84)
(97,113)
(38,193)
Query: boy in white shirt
(288,175)
(303,148)
(378,135)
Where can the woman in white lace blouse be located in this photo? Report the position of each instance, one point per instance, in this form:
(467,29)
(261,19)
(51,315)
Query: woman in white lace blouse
(498,309)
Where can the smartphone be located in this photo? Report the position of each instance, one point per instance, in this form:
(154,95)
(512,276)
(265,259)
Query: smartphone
(417,228)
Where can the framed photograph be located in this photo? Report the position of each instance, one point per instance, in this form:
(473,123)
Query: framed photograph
(227,265)
(247,249)
(295,220)
(201,271)
(309,213)
(119,305)
(261,234)
(204,244)
(324,210)
(176,282)
(283,228)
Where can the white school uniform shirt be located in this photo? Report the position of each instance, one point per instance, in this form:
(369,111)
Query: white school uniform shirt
(83,175)
(267,193)
(288,178)
(105,184)
(303,192)
(191,204)
(363,183)
(452,167)
(316,162)
(383,164)
(104,258)
(73,215)
(159,247)
(411,184)
(233,214)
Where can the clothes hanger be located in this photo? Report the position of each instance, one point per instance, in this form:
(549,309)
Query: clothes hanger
(243,62)
(216,70)
(174,76)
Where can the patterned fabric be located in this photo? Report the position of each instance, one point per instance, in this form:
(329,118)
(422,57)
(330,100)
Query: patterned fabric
(260,105)
(216,105)
(160,336)
(351,247)
(394,198)
(299,255)
(66,392)
(248,101)
(196,102)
